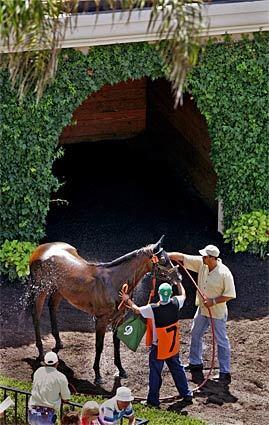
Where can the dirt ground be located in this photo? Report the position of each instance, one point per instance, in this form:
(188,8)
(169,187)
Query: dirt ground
(114,208)
(246,401)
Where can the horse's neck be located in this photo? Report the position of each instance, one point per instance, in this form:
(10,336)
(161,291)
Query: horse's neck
(130,273)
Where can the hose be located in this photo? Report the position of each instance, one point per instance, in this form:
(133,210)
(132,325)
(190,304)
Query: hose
(212,329)
(171,398)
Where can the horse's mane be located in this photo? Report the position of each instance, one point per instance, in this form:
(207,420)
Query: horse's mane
(120,260)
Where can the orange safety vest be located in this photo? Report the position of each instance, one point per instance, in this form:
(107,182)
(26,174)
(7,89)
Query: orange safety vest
(167,329)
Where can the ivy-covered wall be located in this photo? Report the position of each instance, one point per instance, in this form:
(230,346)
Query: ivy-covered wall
(230,86)
(30,131)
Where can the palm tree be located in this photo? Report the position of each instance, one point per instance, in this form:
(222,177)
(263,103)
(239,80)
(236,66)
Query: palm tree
(32,32)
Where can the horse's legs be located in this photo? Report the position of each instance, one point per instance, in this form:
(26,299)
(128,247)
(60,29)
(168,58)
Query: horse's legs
(100,329)
(36,313)
(117,360)
(54,302)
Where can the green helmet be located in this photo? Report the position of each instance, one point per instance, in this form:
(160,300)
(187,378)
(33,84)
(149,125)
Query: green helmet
(165,292)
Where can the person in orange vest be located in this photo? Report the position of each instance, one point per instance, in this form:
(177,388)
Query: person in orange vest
(165,342)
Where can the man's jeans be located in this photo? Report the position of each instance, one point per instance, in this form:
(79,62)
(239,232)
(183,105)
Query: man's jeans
(155,379)
(41,416)
(199,326)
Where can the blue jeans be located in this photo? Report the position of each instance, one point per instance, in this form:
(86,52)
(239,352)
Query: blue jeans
(199,326)
(155,378)
(41,416)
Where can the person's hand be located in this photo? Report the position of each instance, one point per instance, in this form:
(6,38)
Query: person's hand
(173,257)
(208,302)
(125,297)
(177,258)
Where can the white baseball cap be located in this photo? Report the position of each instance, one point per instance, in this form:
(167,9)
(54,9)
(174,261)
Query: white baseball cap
(51,358)
(124,394)
(210,250)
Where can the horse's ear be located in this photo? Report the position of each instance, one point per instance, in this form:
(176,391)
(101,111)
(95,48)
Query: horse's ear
(158,246)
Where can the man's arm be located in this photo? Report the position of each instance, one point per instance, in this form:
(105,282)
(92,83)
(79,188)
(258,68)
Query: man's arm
(176,256)
(132,420)
(125,297)
(181,290)
(209,302)
(65,393)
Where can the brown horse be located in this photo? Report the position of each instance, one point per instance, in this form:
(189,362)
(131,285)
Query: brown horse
(59,272)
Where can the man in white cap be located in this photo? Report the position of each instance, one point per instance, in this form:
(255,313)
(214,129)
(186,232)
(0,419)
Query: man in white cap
(49,387)
(217,284)
(114,409)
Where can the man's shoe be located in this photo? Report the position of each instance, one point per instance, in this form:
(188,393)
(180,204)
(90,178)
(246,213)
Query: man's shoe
(197,376)
(192,367)
(225,378)
(187,400)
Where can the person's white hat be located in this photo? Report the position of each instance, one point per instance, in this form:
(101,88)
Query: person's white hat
(124,394)
(51,358)
(91,407)
(210,250)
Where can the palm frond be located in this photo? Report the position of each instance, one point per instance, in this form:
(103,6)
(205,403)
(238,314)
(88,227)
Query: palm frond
(33,31)
(181,26)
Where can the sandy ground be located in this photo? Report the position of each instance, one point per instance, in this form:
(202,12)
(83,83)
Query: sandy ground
(246,401)
(122,196)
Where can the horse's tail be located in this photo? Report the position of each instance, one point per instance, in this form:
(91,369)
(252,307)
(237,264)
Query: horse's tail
(31,291)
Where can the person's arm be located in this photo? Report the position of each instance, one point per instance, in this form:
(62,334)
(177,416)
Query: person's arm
(176,256)
(209,302)
(190,262)
(65,393)
(132,420)
(125,297)
(106,416)
(228,293)
(181,290)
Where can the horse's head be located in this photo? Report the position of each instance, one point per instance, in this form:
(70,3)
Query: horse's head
(162,264)
(162,270)
(155,248)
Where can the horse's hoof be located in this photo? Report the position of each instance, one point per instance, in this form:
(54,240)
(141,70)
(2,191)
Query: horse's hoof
(123,374)
(98,380)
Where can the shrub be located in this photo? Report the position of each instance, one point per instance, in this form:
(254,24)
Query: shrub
(155,416)
(14,258)
(249,232)
(230,86)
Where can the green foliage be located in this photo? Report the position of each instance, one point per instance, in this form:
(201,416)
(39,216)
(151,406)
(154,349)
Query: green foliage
(230,85)
(155,416)
(250,232)
(14,258)
(24,29)
(30,131)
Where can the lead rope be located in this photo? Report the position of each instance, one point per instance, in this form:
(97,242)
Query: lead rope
(212,329)
(155,261)
(213,342)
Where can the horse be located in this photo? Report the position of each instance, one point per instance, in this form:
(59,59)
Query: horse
(57,271)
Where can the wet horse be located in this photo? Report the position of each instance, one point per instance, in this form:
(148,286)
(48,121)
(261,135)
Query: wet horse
(59,272)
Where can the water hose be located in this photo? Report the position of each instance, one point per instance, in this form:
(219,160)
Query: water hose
(212,329)
(171,398)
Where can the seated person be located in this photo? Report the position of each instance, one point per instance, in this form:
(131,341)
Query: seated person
(71,418)
(90,414)
(112,410)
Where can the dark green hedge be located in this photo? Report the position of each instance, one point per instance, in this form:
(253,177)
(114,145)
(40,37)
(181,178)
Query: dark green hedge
(30,131)
(230,85)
